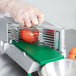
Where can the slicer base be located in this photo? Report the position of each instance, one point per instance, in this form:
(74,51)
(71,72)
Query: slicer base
(22,59)
(41,54)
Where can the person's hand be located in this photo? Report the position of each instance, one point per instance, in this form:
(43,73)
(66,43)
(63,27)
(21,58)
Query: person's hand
(24,13)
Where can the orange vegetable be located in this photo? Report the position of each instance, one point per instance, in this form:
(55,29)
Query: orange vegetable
(72,56)
(73,50)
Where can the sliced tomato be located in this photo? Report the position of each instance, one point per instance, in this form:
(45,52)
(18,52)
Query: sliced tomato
(29,36)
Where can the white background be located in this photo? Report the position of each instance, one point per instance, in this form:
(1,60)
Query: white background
(59,12)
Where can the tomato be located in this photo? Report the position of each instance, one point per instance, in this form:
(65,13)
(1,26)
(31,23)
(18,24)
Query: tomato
(73,50)
(72,56)
(28,36)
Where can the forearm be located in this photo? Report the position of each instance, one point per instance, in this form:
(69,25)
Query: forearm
(5,5)
(22,12)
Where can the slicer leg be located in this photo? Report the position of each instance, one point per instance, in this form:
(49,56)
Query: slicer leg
(29,74)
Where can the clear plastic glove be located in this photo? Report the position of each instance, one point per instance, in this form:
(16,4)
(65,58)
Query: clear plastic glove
(24,13)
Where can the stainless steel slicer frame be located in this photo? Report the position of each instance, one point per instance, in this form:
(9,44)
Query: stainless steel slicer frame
(64,41)
(18,56)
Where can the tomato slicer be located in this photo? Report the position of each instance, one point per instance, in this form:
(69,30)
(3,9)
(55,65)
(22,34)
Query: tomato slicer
(48,47)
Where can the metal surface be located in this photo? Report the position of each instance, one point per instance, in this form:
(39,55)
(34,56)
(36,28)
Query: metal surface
(64,67)
(9,68)
(70,40)
(3,30)
(22,59)
(67,40)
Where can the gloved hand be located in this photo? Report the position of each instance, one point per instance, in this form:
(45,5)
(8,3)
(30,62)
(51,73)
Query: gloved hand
(24,13)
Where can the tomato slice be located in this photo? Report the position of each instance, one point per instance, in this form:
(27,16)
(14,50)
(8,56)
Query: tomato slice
(29,36)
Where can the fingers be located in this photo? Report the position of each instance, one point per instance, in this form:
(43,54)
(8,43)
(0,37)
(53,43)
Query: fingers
(36,16)
(40,17)
(30,17)
(27,21)
(25,14)
(20,20)
(33,17)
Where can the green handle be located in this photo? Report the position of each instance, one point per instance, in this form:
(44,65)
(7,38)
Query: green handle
(29,74)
